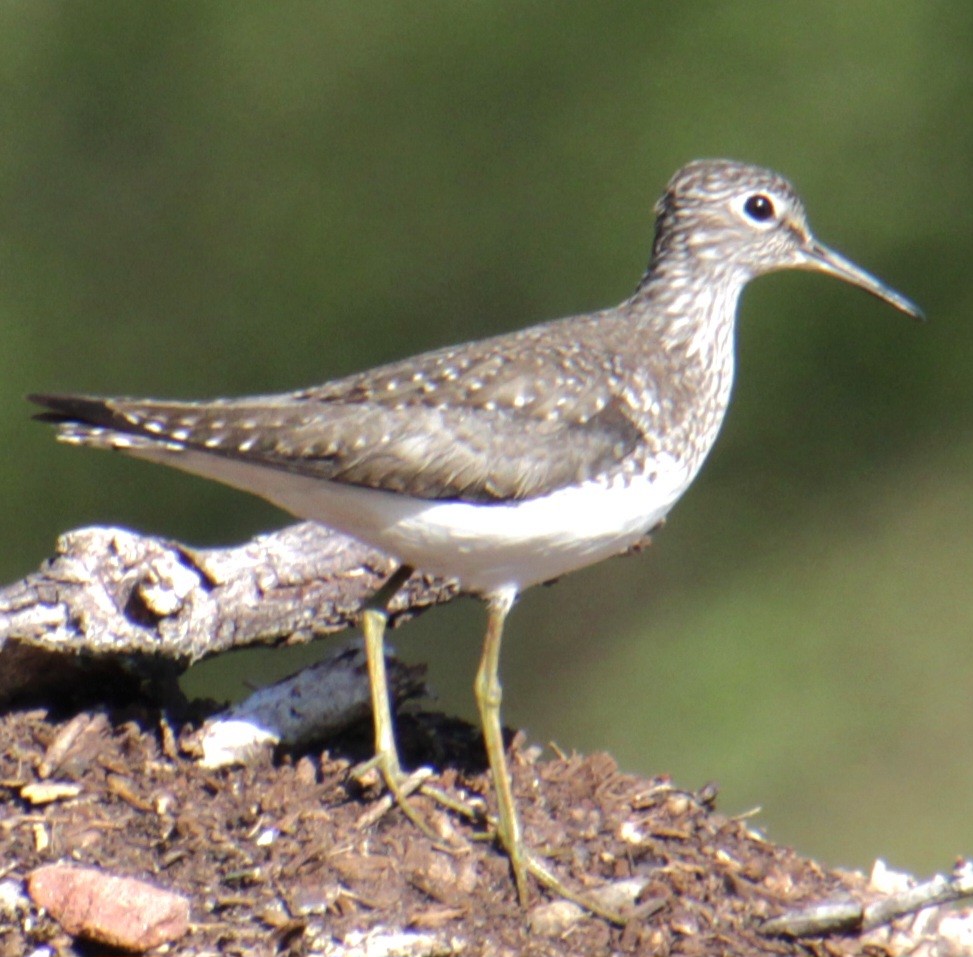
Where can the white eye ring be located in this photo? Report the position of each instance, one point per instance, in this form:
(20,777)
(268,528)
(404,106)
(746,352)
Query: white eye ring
(759,210)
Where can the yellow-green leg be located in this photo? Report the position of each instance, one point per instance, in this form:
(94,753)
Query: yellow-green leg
(386,760)
(400,785)
(489,695)
(488,698)
(373,622)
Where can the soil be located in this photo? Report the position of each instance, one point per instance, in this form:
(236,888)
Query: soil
(291,855)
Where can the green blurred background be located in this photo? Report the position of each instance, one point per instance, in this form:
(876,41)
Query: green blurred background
(215,198)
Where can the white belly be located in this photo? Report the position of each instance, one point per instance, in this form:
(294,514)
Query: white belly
(488,547)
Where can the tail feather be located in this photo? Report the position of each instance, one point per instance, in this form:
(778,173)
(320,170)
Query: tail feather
(77,409)
(98,422)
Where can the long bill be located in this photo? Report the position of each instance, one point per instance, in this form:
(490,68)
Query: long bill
(823,259)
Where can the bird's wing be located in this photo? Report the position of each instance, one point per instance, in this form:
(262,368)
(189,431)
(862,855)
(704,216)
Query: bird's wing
(466,454)
(472,423)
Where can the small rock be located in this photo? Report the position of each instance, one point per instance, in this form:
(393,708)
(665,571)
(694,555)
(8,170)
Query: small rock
(554,919)
(618,895)
(120,911)
(13,901)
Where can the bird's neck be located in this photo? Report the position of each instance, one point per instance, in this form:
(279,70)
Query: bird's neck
(691,303)
(690,316)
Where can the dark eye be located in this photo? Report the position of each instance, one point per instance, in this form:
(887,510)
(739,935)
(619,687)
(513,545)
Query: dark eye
(759,208)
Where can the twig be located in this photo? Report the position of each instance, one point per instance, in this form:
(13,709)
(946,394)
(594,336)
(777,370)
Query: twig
(839,917)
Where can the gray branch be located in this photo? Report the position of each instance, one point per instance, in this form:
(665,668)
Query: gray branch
(109,597)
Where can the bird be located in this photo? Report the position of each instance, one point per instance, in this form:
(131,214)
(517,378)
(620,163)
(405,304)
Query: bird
(512,460)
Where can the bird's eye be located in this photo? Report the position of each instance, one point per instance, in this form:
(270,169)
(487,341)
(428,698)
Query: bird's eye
(759,208)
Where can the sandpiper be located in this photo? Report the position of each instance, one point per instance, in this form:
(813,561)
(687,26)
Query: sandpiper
(513,460)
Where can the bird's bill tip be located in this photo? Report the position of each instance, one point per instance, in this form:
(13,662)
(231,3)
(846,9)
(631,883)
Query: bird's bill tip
(823,259)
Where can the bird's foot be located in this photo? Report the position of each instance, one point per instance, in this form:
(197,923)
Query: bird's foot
(400,786)
(533,865)
(524,863)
